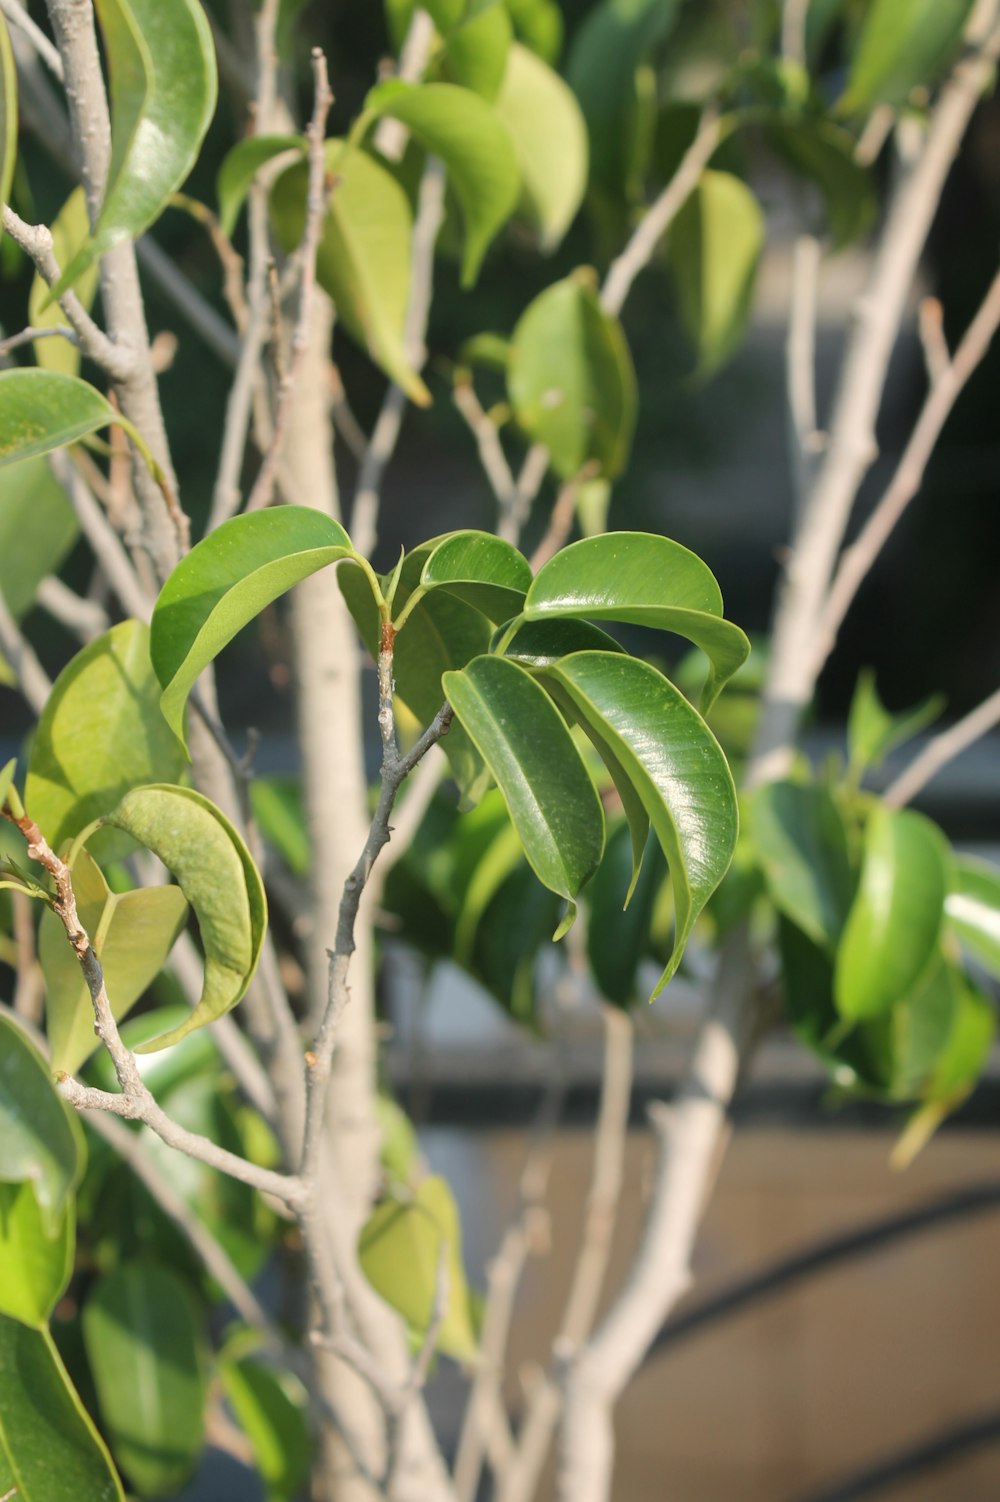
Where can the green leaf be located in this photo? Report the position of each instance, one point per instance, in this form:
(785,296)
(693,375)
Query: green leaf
(399,1149)
(537,644)
(270,1408)
(477,48)
(7,779)
(539,23)
(142,1335)
(37,530)
(644,580)
(524,742)
(872,732)
(240,166)
(8,113)
(618,938)
(225,581)
(972,908)
(363,261)
(216,874)
(860,1058)
(42,410)
(676,768)
(571,381)
(500,857)
(824,152)
(132,933)
(36,1264)
(69,231)
(163,85)
(481,569)
(550,138)
(958,1067)
(399,1249)
(799,838)
(475,147)
(902,43)
(279,814)
(894,925)
(713,251)
(42,1139)
(100,734)
(921,1025)
(50,1450)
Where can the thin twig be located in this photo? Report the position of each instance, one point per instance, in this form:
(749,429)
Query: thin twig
(29,335)
(941,749)
(563,515)
(18,16)
(800,364)
(392,135)
(32,679)
(108,548)
(85,618)
(484,430)
(529,481)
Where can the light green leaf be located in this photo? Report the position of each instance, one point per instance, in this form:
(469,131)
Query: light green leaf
(270,1408)
(8,113)
(539,24)
(958,1067)
(42,1139)
(675,765)
(132,933)
(217,875)
(920,1026)
(163,86)
(824,152)
(872,732)
(902,43)
(100,733)
(713,251)
(524,742)
(399,1149)
(550,137)
(363,262)
(481,569)
(240,166)
(972,908)
(475,147)
(69,231)
(571,381)
(224,582)
(37,530)
(619,938)
(399,1249)
(50,1450)
(894,925)
(42,410)
(799,838)
(36,1264)
(141,1334)
(645,580)
(7,779)
(477,48)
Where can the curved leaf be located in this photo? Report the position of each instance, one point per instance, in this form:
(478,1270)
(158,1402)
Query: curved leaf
(550,137)
(69,232)
(824,152)
(8,114)
(37,530)
(799,838)
(477,48)
(618,938)
(571,381)
(902,43)
(36,1264)
(958,1067)
(224,582)
(714,247)
(894,925)
(42,410)
(142,1336)
(475,147)
(872,732)
(42,1139)
(536,644)
(540,25)
(240,166)
(972,908)
(50,1450)
(163,91)
(270,1408)
(100,734)
(645,580)
(481,569)
(216,874)
(675,765)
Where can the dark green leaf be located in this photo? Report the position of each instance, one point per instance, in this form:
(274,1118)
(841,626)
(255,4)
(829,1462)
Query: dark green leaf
(42,1140)
(8,113)
(973,909)
(537,644)
(42,410)
(872,732)
(550,137)
(618,938)
(713,251)
(516,926)
(800,841)
(902,43)
(823,152)
(69,232)
(270,1408)
(481,569)
(240,166)
(36,1264)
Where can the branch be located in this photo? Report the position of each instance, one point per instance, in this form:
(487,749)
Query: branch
(941,749)
(17,16)
(108,548)
(491,455)
(800,356)
(85,618)
(563,514)
(29,335)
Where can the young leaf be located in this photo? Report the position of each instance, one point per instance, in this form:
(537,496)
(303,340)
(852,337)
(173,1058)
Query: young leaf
(972,908)
(902,43)
(163,91)
(524,742)
(872,732)
(100,734)
(475,147)
(799,838)
(481,569)
(270,1408)
(824,152)
(8,113)
(550,137)
(571,381)
(240,166)
(132,933)
(70,230)
(141,1333)
(894,925)
(42,410)
(646,580)
(224,582)
(217,875)
(477,48)
(675,765)
(50,1450)
(36,1264)
(363,261)
(42,1139)
(713,251)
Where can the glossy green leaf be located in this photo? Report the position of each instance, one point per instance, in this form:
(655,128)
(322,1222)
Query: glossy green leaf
(36,1264)
(894,925)
(8,113)
(536,644)
(42,410)
(163,85)
(824,153)
(50,1450)
(42,1139)
(240,166)
(902,43)
(270,1408)
(550,137)
(69,231)
(37,530)
(217,875)
(972,908)
(475,147)
(618,937)
(477,48)
(100,734)
(224,582)
(676,768)
(571,381)
(859,1058)
(872,732)
(399,1250)
(363,261)
(713,251)
(799,838)
(645,580)
(142,1337)
(481,569)
(132,933)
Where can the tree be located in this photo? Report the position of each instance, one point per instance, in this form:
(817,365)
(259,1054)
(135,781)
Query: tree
(591,773)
